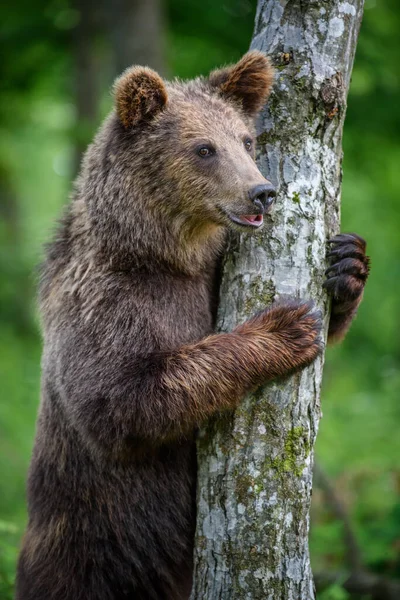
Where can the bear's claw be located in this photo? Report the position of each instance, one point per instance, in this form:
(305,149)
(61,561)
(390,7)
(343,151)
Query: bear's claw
(349,269)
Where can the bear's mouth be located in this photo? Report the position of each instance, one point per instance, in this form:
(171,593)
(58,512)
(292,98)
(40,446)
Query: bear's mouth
(254,221)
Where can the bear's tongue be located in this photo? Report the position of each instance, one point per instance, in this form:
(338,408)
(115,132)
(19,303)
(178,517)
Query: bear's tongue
(252,219)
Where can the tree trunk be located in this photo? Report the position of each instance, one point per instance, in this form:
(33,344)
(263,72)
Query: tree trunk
(255,466)
(137,31)
(86,66)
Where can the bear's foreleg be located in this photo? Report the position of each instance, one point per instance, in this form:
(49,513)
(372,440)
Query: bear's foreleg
(157,397)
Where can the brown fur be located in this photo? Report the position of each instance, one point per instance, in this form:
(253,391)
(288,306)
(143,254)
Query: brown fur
(249,82)
(139,94)
(346,279)
(131,366)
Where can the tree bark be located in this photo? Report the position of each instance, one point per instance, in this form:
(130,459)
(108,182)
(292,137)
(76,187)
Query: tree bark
(255,466)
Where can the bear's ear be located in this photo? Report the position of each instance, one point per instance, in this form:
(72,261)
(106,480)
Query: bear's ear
(140,94)
(248,82)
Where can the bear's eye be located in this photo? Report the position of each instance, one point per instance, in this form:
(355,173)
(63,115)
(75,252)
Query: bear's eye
(248,144)
(205,151)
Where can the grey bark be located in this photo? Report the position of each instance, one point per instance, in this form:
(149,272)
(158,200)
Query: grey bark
(255,466)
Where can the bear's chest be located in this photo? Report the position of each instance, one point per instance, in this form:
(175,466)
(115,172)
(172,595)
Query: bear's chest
(184,309)
(175,310)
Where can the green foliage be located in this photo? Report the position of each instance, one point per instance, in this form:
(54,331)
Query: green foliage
(205,36)
(358,442)
(334,592)
(9,535)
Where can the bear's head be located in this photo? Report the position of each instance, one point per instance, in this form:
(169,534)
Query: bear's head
(177,158)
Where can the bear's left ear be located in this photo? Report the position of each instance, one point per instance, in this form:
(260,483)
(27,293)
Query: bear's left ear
(140,94)
(247,83)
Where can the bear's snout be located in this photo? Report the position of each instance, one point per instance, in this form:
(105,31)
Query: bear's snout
(262,196)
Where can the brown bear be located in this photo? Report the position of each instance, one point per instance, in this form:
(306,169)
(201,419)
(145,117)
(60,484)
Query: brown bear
(131,365)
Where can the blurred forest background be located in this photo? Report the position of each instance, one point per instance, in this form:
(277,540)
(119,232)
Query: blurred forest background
(59,61)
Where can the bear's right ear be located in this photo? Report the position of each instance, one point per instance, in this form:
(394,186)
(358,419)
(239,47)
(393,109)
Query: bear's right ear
(140,94)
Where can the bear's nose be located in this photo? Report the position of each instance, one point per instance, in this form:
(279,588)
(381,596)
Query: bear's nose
(262,195)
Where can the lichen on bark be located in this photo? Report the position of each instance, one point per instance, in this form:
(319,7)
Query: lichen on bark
(255,466)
